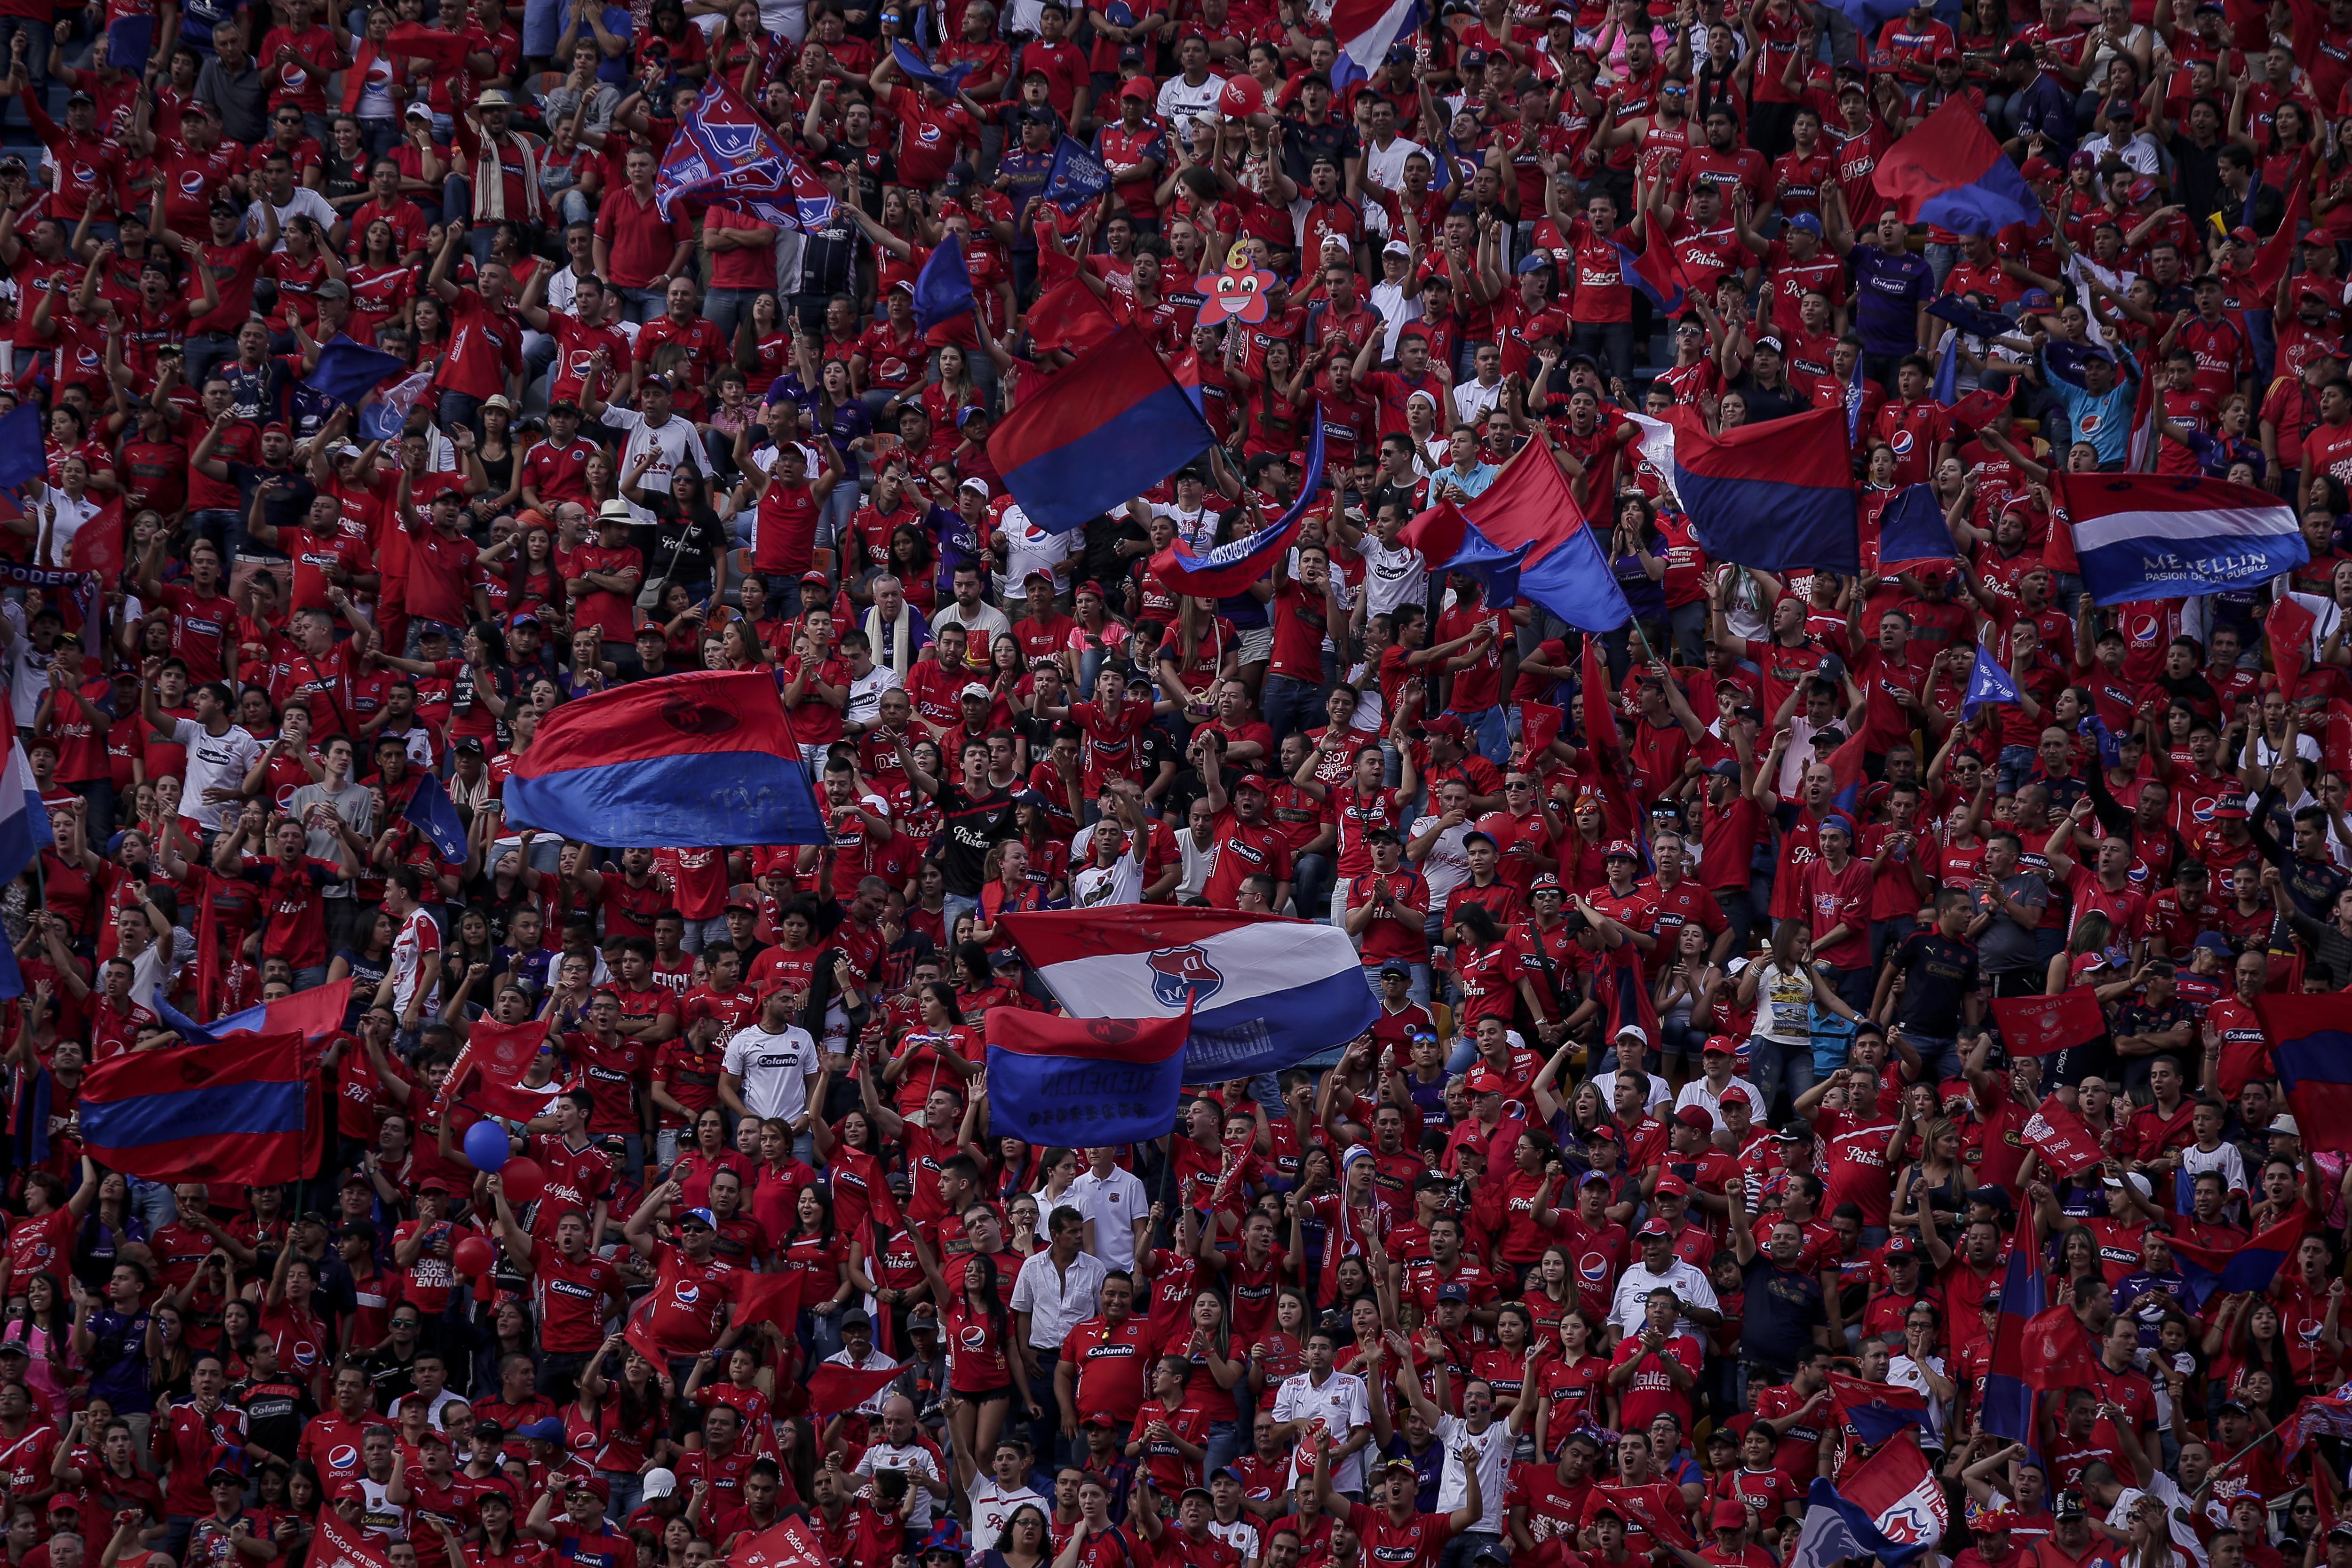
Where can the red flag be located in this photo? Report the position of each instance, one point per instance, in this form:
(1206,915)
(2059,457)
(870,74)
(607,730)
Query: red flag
(1659,1525)
(1068,316)
(205,1005)
(98,544)
(2062,1139)
(836,1387)
(2289,630)
(1540,725)
(768,1298)
(416,41)
(338,1545)
(2270,262)
(2038,1026)
(639,1332)
(790,1543)
(2055,1353)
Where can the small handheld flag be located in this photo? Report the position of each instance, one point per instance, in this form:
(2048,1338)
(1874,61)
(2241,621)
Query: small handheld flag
(943,288)
(1988,684)
(1076,178)
(433,813)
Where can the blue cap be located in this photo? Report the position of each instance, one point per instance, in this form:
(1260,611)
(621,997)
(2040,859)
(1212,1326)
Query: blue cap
(1540,261)
(699,1216)
(548,1429)
(1807,222)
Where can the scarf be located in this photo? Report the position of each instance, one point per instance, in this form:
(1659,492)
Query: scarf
(490,195)
(901,657)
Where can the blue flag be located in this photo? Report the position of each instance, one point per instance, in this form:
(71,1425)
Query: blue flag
(348,371)
(2066,361)
(1946,386)
(1076,178)
(431,812)
(1856,391)
(914,68)
(1970,319)
(128,41)
(23,458)
(943,288)
(1988,684)
(1912,528)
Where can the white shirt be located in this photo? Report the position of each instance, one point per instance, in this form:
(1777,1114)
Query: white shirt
(913,1456)
(215,761)
(1447,865)
(2167,1491)
(1057,1299)
(1391,577)
(1114,1203)
(1028,548)
(1494,1446)
(1384,166)
(1120,882)
(992,1508)
(304,202)
(1472,401)
(866,694)
(674,443)
(775,1070)
(982,625)
(418,939)
(1633,1288)
(1339,1404)
(1659,1091)
(1181,102)
(1704,1095)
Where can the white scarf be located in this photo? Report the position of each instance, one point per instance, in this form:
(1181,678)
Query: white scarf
(491,194)
(901,659)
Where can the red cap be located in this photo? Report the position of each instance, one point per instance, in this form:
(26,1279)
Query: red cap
(1621,847)
(1482,1080)
(1672,1186)
(1692,1116)
(1729,1515)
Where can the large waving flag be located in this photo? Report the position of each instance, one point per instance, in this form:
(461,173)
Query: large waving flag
(1266,992)
(915,68)
(310,1015)
(233,1111)
(348,371)
(1912,531)
(723,155)
(2311,1044)
(1530,505)
(2250,1266)
(2009,1388)
(385,417)
(2150,536)
(1891,1507)
(705,757)
(25,832)
(1230,568)
(1949,172)
(1109,427)
(1775,495)
(1083,1080)
(1365,29)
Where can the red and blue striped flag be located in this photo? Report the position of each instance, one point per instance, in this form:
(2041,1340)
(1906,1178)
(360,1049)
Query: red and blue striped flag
(233,1110)
(1109,427)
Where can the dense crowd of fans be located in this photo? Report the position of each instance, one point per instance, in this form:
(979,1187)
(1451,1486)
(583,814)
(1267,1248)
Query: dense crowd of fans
(1683,1093)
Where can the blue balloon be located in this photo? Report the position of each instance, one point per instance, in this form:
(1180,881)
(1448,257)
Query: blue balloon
(487,1145)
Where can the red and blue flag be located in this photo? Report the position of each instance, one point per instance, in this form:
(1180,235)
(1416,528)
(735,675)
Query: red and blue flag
(1912,531)
(2250,1266)
(1084,1080)
(1111,427)
(1777,497)
(1949,172)
(432,812)
(2310,1046)
(1653,270)
(723,155)
(705,757)
(312,1014)
(2008,1409)
(943,288)
(1525,537)
(1229,569)
(233,1110)
(1877,1411)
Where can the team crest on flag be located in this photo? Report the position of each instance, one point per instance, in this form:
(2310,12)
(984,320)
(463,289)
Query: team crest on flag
(1183,976)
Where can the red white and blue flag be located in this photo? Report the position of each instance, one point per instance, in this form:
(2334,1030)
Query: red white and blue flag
(2311,1045)
(2249,1265)
(1365,29)
(1266,992)
(232,1111)
(1084,1080)
(723,156)
(705,757)
(1229,569)
(1890,1509)
(2157,536)
(1113,425)
(1877,1411)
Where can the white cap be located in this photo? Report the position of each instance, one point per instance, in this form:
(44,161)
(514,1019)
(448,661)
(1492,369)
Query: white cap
(974,484)
(1396,247)
(1636,1031)
(660,1483)
(2284,1127)
(975,688)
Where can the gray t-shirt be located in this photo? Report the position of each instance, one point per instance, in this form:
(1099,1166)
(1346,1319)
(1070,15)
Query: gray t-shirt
(352,803)
(2006,947)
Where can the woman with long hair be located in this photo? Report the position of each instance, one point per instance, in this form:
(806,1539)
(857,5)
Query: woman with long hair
(1933,1189)
(1549,1296)
(1280,1351)
(1060,1166)
(916,566)
(1217,1371)
(1509,1368)
(43,1326)
(981,1356)
(1571,1382)
(629,1413)
(819,1254)
(708,1154)
(2248,1335)
(111,1225)
(364,964)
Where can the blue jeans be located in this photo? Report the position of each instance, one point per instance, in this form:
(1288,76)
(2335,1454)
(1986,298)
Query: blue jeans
(724,307)
(1310,886)
(628,1490)
(2016,767)
(458,408)
(1939,1056)
(642,305)
(1777,1066)
(1225,1446)
(1290,704)
(1493,733)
